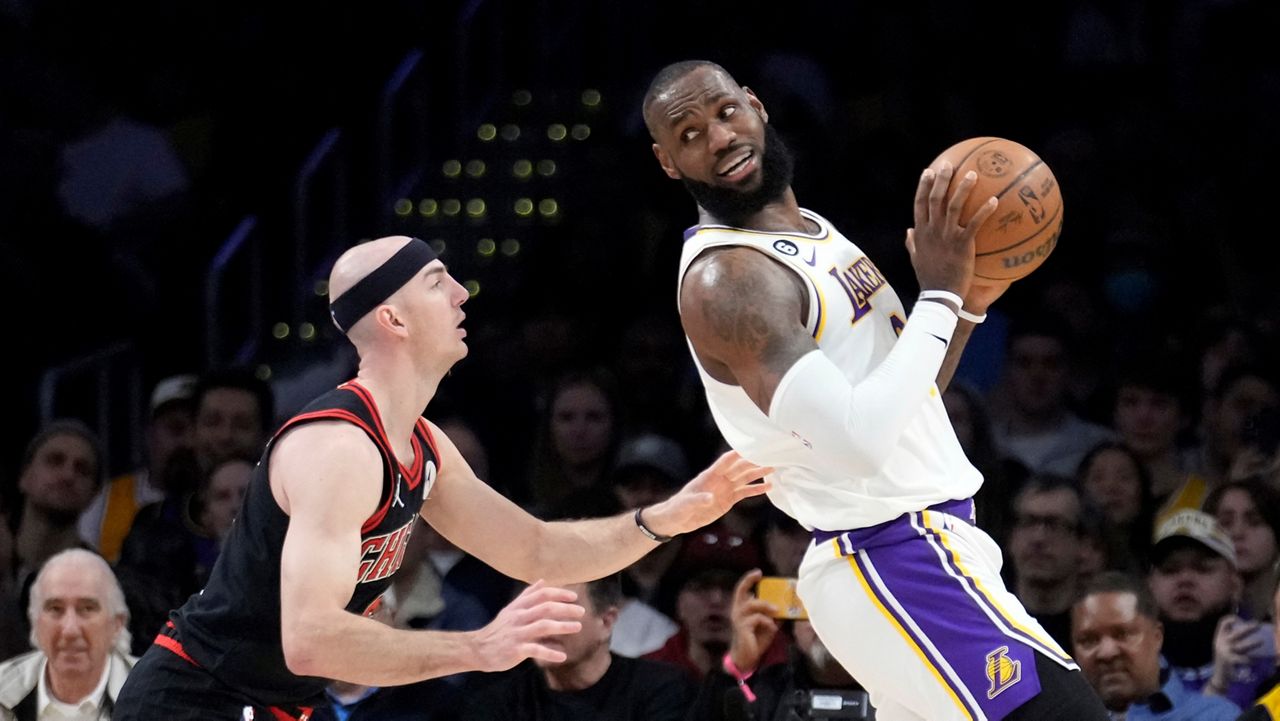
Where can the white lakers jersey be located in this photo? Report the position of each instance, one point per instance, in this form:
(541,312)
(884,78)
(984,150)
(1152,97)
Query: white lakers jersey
(855,317)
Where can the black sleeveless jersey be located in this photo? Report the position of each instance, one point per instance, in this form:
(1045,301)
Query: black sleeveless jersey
(232,627)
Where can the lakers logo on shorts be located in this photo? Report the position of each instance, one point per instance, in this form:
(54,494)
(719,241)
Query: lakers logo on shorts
(1002,671)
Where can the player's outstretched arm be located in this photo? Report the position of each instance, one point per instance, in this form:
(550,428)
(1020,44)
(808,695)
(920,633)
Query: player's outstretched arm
(327,477)
(482,522)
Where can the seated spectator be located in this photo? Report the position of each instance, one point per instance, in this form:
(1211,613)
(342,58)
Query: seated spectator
(1045,548)
(61,472)
(1038,427)
(650,467)
(235,415)
(703,580)
(1115,482)
(219,498)
(1267,707)
(1242,396)
(107,520)
(1150,412)
(1116,639)
(1196,586)
(1249,511)
(782,690)
(591,684)
(173,545)
(578,438)
(79,620)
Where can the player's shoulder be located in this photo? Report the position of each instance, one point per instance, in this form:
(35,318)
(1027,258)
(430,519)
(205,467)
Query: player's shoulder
(731,270)
(326,440)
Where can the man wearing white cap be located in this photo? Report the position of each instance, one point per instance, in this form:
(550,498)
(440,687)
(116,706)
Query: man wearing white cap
(1197,589)
(107,520)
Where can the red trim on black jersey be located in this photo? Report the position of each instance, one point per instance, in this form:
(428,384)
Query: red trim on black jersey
(341,414)
(282,715)
(174,645)
(364,395)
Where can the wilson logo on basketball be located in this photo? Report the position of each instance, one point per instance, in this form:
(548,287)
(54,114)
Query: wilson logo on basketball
(1040,251)
(381,556)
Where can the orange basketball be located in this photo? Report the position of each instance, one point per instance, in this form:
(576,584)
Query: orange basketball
(1024,229)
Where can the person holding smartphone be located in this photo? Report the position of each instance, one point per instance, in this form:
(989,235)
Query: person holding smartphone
(745,688)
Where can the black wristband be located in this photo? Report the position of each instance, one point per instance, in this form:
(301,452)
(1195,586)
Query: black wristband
(645,529)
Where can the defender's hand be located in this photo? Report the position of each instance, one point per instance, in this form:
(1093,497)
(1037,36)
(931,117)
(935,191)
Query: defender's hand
(708,496)
(520,629)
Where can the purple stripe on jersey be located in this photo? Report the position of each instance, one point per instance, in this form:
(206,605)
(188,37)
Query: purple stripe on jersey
(980,596)
(691,231)
(889,603)
(999,671)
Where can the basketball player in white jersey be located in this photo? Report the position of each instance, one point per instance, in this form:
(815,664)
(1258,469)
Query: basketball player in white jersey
(813,366)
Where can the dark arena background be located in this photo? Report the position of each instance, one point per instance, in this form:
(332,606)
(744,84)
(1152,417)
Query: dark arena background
(177,178)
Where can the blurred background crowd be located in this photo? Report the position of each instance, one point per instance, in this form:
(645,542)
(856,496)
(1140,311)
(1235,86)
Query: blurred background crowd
(177,179)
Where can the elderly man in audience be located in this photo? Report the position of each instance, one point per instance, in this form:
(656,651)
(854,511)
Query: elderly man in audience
(78,618)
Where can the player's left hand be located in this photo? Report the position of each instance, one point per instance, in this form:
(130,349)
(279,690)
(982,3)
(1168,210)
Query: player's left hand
(708,496)
(980,297)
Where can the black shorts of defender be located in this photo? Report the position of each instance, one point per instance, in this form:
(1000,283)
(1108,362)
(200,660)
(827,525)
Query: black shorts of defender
(1064,696)
(167,686)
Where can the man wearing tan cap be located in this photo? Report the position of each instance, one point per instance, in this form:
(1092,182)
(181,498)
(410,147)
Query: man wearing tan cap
(107,520)
(1197,589)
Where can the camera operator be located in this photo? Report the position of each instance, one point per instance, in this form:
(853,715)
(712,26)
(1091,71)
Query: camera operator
(811,684)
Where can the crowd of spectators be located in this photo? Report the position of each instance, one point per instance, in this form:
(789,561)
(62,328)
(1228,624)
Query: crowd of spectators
(1123,404)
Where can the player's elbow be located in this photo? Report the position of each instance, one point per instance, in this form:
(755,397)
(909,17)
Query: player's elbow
(302,650)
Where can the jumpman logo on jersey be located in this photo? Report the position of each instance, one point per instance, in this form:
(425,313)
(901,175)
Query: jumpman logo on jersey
(396,501)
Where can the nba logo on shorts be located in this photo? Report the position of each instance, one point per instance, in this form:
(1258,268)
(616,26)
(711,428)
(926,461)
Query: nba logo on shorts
(1002,671)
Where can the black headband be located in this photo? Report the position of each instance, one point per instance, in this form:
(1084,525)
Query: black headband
(375,288)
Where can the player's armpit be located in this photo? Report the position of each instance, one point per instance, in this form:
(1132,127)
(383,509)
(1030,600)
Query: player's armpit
(466,510)
(744,314)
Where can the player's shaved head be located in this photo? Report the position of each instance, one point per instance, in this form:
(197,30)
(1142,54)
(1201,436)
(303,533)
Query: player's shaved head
(358,262)
(669,76)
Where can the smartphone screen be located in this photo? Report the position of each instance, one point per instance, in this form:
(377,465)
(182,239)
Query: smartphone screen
(781,592)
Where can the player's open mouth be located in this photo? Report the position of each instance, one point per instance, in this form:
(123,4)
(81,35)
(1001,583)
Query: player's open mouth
(737,166)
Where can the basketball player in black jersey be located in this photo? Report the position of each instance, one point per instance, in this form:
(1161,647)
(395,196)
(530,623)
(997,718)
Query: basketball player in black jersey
(329,512)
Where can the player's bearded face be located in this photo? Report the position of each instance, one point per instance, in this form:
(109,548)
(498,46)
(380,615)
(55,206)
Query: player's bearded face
(733,206)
